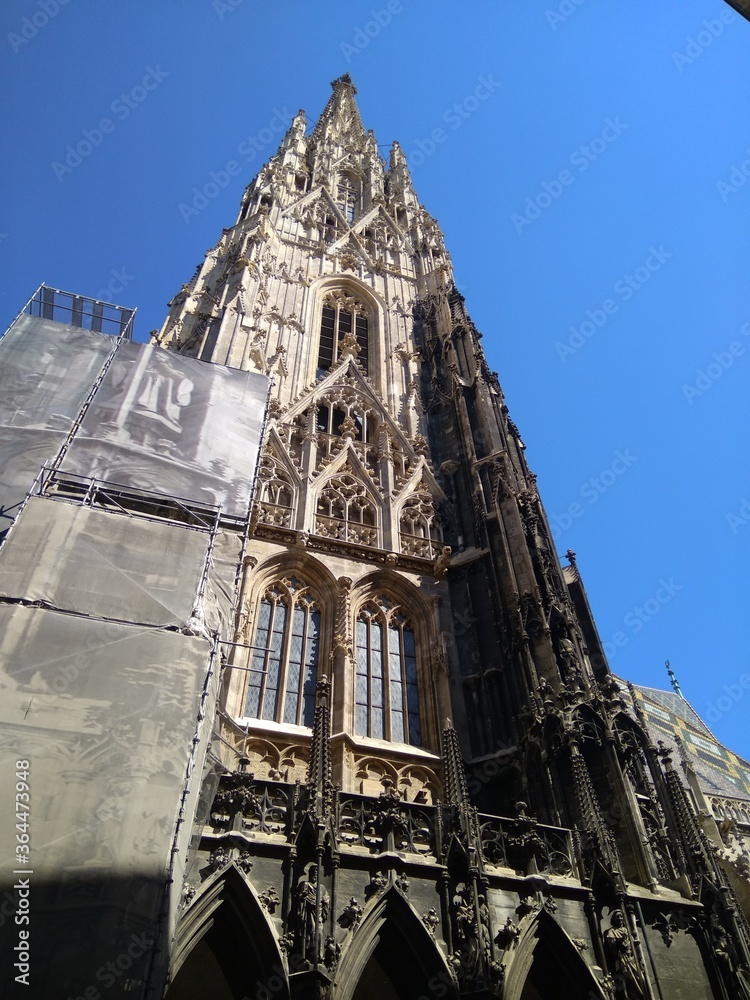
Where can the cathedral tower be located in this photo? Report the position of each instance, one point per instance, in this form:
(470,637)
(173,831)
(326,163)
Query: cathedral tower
(426,782)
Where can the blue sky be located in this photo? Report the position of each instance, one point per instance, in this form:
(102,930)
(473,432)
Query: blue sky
(591,176)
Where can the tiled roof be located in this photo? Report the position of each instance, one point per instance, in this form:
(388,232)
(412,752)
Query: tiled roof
(669,716)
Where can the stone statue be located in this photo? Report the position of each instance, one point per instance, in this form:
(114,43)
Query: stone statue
(307,917)
(466,933)
(622,960)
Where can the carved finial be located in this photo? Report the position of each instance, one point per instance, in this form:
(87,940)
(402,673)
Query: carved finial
(319,782)
(346,78)
(456,788)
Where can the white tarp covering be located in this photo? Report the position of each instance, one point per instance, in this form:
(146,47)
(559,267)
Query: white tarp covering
(108,712)
(103,564)
(222,578)
(173,425)
(46,371)
(105,715)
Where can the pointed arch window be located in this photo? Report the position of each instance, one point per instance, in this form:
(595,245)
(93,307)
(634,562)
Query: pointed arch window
(421,530)
(343,320)
(275,493)
(285,648)
(347,197)
(386,689)
(346,512)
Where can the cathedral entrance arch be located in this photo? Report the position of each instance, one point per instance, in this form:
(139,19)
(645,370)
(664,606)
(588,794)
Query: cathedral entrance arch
(225,948)
(393,957)
(546,965)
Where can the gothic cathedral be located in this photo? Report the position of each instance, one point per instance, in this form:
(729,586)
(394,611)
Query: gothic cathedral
(424,780)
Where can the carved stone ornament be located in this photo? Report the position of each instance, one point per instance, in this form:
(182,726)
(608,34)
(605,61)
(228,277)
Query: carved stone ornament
(402,883)
(218,859)
(377,884)
(244,862)
(351,915)
(508,934)
(270,899)
(666,925)
(431,920)
(331,953)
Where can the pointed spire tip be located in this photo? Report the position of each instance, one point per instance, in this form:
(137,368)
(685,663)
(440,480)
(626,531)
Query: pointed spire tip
(345,79)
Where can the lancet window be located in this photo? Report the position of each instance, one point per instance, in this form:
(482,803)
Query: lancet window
(347,197)
(285,649)
(421,532)
(346,512)
(386,690)
(344,321)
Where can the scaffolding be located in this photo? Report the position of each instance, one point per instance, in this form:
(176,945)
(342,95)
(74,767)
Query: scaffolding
(81,311)
(126,479)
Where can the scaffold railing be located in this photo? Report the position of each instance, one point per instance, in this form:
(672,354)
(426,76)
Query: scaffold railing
(117,498)
(81,311)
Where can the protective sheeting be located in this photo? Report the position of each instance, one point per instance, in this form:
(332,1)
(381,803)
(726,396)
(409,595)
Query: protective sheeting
(47,370)
(174,425)
(110,714)
(105,715)
(103,564)
(220,589)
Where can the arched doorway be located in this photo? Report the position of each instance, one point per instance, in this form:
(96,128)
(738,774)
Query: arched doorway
(224,948)
(393,957)
(546,965)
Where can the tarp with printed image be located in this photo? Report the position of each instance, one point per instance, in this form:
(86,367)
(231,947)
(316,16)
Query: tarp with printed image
(175,425)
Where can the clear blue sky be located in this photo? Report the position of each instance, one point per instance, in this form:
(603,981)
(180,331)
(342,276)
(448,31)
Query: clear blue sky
(585,187)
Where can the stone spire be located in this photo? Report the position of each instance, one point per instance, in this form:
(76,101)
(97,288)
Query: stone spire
(340,122)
